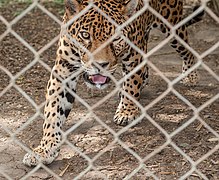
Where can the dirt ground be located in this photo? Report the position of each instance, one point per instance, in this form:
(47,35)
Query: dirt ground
(91,138)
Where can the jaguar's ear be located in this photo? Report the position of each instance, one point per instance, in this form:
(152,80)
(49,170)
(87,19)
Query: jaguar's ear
(130,7)
(72,7)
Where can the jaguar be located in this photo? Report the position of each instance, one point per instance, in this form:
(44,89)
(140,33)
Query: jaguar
(95,37)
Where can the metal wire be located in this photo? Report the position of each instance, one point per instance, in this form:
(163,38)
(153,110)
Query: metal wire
(116,135)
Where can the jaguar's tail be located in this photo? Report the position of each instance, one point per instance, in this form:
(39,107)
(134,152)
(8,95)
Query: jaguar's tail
(197,18)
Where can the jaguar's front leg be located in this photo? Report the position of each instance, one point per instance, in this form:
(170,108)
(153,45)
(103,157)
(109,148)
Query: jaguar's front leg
(127,110)
(58,105)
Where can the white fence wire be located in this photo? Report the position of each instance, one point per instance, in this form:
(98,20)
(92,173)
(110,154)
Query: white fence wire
(143,109)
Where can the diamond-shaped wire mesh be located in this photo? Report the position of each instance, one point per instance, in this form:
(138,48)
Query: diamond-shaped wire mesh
(175,136)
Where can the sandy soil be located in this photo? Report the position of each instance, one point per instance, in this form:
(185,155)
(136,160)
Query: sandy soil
(91,138)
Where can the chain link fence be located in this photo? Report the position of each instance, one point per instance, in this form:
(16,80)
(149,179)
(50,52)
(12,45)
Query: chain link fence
(109,151)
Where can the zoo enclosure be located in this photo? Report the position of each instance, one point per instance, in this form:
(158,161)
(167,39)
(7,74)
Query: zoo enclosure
(116,135)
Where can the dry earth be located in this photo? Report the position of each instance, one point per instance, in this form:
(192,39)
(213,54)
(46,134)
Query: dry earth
(17,125)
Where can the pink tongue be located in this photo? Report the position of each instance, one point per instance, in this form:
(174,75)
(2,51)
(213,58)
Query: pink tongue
(98,79)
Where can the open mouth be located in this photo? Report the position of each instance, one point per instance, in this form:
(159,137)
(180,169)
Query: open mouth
(96,79)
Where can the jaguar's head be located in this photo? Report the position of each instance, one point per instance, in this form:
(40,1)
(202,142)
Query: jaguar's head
(95,42)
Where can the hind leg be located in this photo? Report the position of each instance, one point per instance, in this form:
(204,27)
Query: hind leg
(187,57)
(173,13)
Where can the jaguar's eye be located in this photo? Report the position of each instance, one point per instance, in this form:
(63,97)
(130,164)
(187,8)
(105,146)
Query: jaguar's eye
(85,35)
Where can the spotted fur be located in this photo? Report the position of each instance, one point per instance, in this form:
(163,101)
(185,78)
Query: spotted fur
(88,33)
